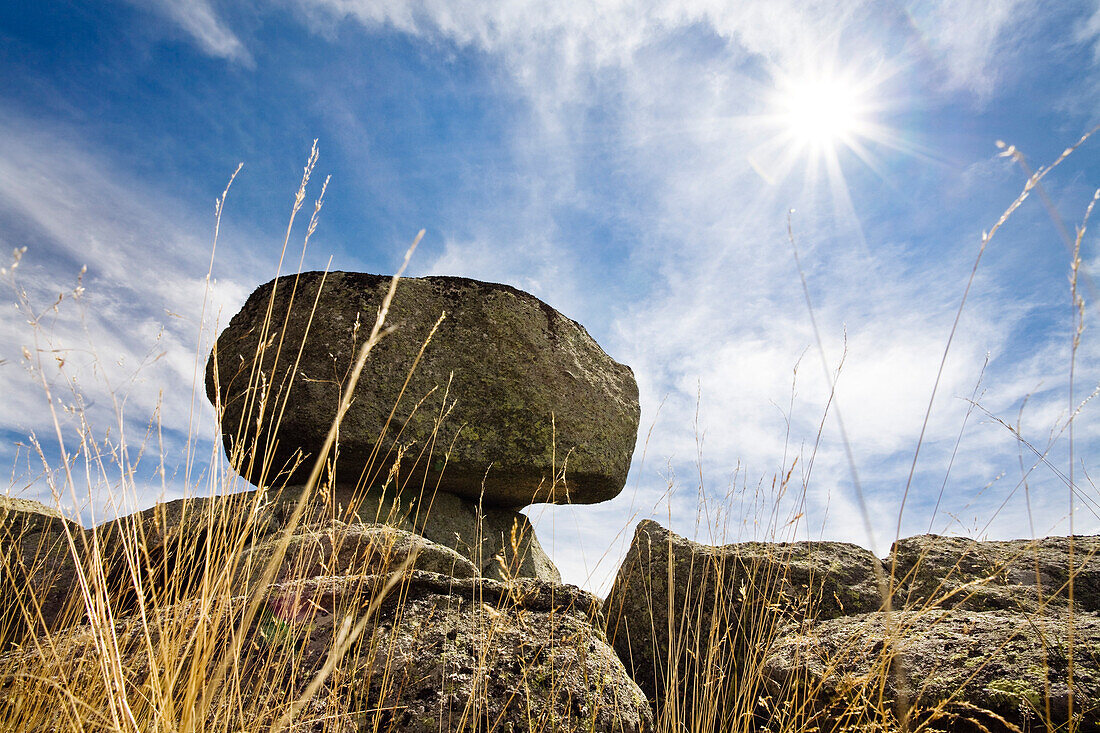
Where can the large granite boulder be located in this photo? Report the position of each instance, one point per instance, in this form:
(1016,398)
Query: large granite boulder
(535,411)
(941,670)
(38,573)
(435,653)
(685,617)
(1015,575)
(452,654)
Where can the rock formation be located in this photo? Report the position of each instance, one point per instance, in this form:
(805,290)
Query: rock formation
(682,615)
(979,638)
(940,670)
(535,410)
(451,429)
(413,537)
(1015,575)
(37,571)
(433,651)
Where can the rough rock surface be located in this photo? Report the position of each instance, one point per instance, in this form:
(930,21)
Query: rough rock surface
(500,542)
(175,544)
(723,602)
(180,541)
(531,391)
(37,571)
(336,548)
(26,516)
(436,654)
(448,654)
(948,670)
(1016,575)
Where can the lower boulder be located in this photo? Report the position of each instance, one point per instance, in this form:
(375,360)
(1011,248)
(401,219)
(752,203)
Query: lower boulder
(403,650)
(936,671)
(499,541)
(335,548)
(692,621)
(446,654)
(38,574)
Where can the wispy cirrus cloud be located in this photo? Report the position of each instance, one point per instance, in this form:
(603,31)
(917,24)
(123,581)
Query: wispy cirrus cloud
(119,348)
(201,21)
(609,163)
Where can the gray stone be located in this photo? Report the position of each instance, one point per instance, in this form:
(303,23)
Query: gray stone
(535,410)
(1017,575)
(500,542)
(454,654)
(166,552)
(437,653)
(941,670)
(335,548)
(20,516)
(38,574)
(684,616)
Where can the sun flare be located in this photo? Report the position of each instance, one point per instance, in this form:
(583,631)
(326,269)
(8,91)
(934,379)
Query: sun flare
(818,116)
(822,112)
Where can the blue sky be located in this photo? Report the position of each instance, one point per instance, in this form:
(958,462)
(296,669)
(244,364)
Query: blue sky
(631,163)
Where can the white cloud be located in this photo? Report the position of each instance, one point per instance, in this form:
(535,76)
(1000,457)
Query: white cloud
(199,20)
(724,318)
(131,348)
(722,315)
(972,40)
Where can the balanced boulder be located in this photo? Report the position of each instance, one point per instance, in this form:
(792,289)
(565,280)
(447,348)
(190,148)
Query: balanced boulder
(509,403)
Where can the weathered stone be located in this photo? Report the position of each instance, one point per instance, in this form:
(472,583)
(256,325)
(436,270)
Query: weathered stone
(25,516)
(37,570)
(336,548)
(167,551)
(436,653)
(451,654)
(1020,575)
(684,616)
(535,410)
(940,670)
(500,542)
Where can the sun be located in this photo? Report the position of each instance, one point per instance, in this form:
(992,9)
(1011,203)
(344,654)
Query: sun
(823,112)
(818,116)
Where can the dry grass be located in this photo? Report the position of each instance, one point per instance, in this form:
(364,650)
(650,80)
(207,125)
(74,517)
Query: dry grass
(206,649)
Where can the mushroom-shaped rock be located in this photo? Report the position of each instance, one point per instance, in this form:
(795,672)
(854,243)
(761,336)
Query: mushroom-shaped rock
(510,402)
